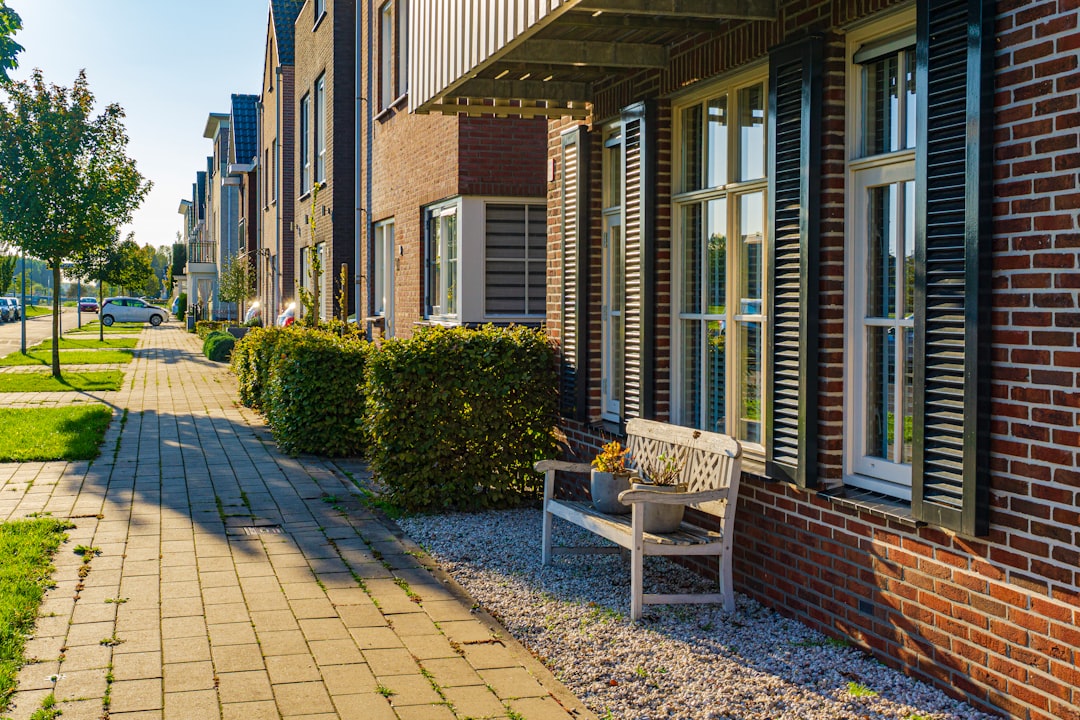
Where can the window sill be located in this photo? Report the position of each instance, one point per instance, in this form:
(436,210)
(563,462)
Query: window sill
(875,503)
(318,21)
(390,109)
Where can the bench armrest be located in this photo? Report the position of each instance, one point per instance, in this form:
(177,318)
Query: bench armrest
(666,498)
(545,465)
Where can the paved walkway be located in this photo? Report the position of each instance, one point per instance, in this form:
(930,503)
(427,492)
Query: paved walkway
(235,582)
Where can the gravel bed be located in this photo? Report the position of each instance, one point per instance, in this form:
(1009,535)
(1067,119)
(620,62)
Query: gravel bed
(683,661)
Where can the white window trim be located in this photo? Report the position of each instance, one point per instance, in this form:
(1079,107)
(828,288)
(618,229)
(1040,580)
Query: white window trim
(445,209)
(305,144)
(734,189)
(387,44)
(890,168)
(384,261)
(319,129)
(614,136)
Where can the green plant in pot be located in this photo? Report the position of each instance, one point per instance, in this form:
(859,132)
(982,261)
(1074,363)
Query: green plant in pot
(662,475)
(610,477)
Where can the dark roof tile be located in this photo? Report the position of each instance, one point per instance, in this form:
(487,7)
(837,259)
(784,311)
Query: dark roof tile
(283,14)
(245,144)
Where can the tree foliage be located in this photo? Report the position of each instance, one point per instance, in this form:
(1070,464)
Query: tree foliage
(66,182)
(7,272)
(179,258)
(10,23)
(236,282)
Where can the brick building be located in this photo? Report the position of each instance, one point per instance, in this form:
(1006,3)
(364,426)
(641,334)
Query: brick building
(276,198)
(454,224)
(324,152)
(844,233)
(243,169)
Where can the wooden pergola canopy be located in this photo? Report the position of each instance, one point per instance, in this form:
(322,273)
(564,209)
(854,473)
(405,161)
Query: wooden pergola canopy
(542,58)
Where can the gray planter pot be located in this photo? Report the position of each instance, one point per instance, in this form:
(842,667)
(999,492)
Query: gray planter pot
(660,518)
(605,488)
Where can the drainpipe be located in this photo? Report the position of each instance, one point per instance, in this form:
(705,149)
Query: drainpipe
(260,270)
(361,229)
(368,152)
(279,189)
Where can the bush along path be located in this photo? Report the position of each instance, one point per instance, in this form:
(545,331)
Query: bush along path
(228,580)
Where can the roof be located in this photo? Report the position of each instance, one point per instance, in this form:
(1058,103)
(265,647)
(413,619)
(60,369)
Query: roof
(214,124)
(245,140)
(200,188)
(283,15)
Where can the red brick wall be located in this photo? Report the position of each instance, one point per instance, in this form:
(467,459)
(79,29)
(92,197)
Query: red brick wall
(502,157)
(329,48)
(990,619)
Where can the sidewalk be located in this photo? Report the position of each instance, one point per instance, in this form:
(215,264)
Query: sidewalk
(235,582)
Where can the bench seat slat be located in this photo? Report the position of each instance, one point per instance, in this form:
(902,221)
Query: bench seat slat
(686,535)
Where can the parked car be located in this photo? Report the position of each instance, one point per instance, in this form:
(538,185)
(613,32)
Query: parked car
(14,309)
(287,316)
(129,309)
(7,312)
(88,304)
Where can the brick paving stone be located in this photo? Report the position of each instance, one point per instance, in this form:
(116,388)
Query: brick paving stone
(270,620)
(467,631)
(137,666)
(427,647)
(237,658)
(191,649)
(390,662)
(232,633)
(425,712)
(335,652)
(313,608)
(308,697)
(413,624)
(348,679)
(366,706)
(182,627)
(373,638)
(474,701)
(202,704)
(261,710)
(540,709)
(183,677)
(411,689)
(80,684)
(361,615)
(244,686)
(453,672)
(513,682)
(292,669)
(38,675)
(129,695)
(323,629)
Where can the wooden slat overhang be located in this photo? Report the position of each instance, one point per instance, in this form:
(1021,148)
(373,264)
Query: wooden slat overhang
(542,58)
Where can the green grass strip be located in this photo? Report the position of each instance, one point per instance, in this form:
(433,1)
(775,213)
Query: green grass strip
(70,343)
(115,327)
(27,547)
(68,357)
(37,310)
(101,381)
(63,433)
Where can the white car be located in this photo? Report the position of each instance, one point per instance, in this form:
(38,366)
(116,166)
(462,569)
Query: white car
(129,309)
(14,310)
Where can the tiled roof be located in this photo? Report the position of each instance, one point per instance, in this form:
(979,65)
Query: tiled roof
(283,14)
(244,126)
(200,188)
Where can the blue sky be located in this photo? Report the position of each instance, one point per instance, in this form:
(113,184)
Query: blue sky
(167,64)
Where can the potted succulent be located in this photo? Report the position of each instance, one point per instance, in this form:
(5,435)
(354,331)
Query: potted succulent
(609,478)
(662,476)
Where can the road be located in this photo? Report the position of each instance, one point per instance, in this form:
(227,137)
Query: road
(37,329)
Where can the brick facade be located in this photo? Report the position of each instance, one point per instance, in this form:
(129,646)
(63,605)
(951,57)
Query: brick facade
(992,619)
(327,45)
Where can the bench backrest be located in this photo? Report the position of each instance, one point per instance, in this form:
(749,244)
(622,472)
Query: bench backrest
(712,461)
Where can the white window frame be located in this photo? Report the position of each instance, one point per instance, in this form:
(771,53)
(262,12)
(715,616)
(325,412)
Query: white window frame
(320,10)
(305,144)
(438,298)
(383,249)
(319,128)
(731,193)
(401,48)
(387,25)
(613,259)
(865,172)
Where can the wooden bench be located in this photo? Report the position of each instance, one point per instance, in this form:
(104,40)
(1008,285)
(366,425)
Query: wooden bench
(711,472)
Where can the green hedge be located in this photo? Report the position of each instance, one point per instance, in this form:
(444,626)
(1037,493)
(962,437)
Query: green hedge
(457,417)
(314,396)
(203,328)
(218,345)
(181,306)
(252,359)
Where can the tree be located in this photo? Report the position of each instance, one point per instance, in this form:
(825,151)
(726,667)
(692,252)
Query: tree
(10,23)
(179,258)
(236,282)
(66,182)
(100,263)
(7,272)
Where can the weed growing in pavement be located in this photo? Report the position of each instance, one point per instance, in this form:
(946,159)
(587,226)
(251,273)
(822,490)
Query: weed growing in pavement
(117,601)
(48,709)
(111,641)
(385,691)
(856,689)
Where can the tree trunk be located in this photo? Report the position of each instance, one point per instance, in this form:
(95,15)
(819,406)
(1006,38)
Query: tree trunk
(56,320)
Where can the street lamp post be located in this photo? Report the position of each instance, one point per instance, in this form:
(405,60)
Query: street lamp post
(22,313)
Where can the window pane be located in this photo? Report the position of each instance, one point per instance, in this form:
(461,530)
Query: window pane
(717,375)
(380,269)
(691,374)
(752,132)
(881,114)
(435,270)
(450,231)
(750,382)
(386,55)
(909,249)
(880,391)
(718,141)
(691,148)
(692,258)
(881,259)
(613,176)
(617,269)
(752,231)
(911,106)
(908,394)
(717,258)
(403,47)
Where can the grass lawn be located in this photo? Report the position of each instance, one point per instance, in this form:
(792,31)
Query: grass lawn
(63,433)
(84,343)
(40,356)
(93,327)
(45,382)
(36,310)
(27,547)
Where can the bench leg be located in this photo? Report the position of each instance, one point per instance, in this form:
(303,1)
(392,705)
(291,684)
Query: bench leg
(726,585)
(546,543)
(637,553)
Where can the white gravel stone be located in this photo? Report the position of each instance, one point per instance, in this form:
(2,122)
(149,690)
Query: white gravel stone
(682,661)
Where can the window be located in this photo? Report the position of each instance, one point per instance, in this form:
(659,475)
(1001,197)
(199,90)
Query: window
(273,171)
(515,259)
(386,55)
(383,274)
(442,287)
(402,70)
(720,260)
(320,129)
(320,10)
(266,177)
(613,272)
(305,144)
(881,250)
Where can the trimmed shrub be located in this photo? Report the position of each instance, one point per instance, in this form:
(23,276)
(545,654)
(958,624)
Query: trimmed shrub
(314,399)
(218,346)
(203,328)
(252,359)
(181,306)
(457,417)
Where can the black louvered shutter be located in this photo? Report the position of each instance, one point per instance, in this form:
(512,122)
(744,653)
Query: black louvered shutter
(575,229)
(954,56)
(638,307)
(795,89)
